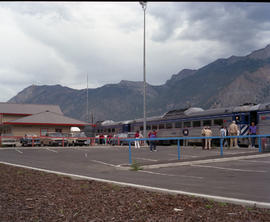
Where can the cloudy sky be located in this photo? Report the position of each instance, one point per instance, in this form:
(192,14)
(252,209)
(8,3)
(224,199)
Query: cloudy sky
(48,43)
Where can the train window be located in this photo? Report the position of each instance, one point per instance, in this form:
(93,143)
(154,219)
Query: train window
(98,130)
(148,127)
(154,127)
(218,122)
(207,122)
(178,124)
(141,128)
(196,123)
(246,118)
(168,125)
(109,130)
(113,130)
(237,118)
(187,124)
(161,126)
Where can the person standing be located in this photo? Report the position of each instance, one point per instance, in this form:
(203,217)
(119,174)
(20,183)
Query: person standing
(223,133)
(203,140)
(208,133)
(253,131)
(153,135)
(233,131)
(109,139)
(142,141)
(137,142)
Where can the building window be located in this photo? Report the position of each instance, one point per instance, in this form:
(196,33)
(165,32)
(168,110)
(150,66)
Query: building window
(187,124)
(207,122)
(43,132)
(218,122)
(161,126)
(154,127)
(178,124)
(196,123)
(168,125)
(58,130)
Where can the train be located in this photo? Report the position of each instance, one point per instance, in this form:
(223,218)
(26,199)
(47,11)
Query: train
(190,121)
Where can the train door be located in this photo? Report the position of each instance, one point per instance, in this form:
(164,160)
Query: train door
(126,128)
(242,120)
(253,117)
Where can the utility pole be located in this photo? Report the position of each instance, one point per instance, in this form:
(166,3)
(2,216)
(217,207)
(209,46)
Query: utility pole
(87,110)
(143,4)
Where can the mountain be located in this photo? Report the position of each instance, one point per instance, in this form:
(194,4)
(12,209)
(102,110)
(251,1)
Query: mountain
(224,82)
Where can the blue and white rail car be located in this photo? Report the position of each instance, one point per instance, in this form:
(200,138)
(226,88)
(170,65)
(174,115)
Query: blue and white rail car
(263,119)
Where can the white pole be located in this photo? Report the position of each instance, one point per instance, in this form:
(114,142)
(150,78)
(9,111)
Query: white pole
(87,111)
(144,72)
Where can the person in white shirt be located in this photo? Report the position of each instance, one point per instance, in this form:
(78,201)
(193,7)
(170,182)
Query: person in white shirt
(223,133)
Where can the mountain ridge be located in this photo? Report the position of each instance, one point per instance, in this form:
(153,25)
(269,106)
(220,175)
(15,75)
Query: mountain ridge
(224,82)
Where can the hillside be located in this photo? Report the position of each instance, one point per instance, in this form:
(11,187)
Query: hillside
(224,82)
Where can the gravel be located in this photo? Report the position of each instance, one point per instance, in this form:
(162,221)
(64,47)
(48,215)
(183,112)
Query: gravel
(28,195)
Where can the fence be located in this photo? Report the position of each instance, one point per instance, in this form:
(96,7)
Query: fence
(59,141)
(178,139)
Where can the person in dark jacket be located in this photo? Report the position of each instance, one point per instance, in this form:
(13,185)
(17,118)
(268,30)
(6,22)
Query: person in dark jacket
(152,135)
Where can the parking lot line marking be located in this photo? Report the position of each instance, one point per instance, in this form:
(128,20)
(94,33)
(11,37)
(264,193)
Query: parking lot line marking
(212,197)
(85,155)
(138,158)
(231,169)
(51,150)
(18,151)
(170,175)
(185,155)
(237,152)
(255,161)
(108,164)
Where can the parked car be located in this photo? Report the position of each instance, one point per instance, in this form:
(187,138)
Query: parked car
(121,139)
(81,139)
(76,139)
(8,140)
(70,139)
(30,140)
(53,139)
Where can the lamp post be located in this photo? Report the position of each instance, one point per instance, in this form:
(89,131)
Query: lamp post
(143,4)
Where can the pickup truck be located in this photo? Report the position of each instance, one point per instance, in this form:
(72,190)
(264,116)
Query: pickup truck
(53,139)
(77,139)
(30,140)
(8,140)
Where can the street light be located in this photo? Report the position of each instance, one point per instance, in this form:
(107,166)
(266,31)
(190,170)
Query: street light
(143,4)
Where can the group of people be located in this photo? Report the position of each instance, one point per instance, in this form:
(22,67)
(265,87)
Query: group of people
(152,143)
(232,131)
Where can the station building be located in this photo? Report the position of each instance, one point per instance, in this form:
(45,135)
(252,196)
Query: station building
(21,119)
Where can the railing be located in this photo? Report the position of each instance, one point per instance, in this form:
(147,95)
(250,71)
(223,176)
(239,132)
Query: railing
(178,139)
(37,140)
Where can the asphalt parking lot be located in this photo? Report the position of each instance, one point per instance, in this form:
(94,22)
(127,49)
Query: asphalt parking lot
(241,174)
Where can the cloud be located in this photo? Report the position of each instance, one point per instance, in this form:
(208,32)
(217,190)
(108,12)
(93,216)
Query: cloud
(234,24)
(62,42)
